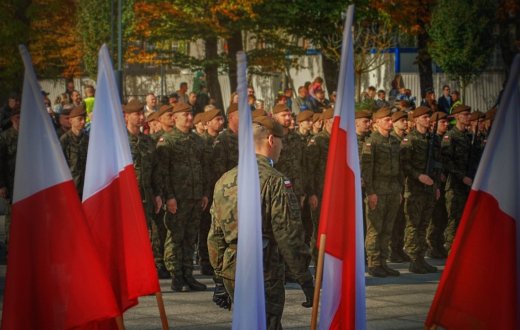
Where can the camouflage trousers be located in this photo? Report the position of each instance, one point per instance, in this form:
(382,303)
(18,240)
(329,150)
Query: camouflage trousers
(159,233)
(418,211)
(274,301)
(435,232)
(205,225)
(307,221)
(397,239)
(315,218)
(183,230)
(380,222)
(455,202)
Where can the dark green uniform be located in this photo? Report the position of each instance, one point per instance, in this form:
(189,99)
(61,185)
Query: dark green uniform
(8,147)
(459,163)
(75,148)
(306,210)
(282,234)
(181,165)
(291,162)
(381,173)
(360,142)
(225,153)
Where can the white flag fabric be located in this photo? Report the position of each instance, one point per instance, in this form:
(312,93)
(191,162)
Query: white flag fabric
(249,300)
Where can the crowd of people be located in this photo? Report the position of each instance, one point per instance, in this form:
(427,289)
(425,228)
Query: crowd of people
(417,165)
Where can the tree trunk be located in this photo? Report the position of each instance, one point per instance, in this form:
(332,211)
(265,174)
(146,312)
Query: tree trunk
(234,45)
(331,72)
(211,70)
(424,61)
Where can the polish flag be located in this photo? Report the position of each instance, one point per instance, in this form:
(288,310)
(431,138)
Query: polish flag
(343,288)
(111,198)
(55,279)
(479,288)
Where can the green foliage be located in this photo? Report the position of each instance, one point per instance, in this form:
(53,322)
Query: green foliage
(461,35)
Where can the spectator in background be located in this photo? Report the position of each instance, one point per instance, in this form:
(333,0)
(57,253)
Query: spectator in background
(319,102)
(173,98)
(13,103)
(288,93)
(232,100)
(429,99)
(75,98)
(301,102)
(397,85)
(69,87)
(192,102)
(182,93)
(151,104)
(444,102)
(381,99)
(333,98)
(203,97)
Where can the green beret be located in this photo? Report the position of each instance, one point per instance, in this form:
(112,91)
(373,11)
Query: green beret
(77,111)
(152,116)
(181,107)
(67,108)
(476,115)
(259,113)
(316,117)
(280,108)
(363,114)
(269,123)
(438,116)
(232,108)
(418,112)
(164,109)
(328,113)
(304,115)
(133,106)
(199,118)
(210,114)
(382,113)
(461,108)
(399,115)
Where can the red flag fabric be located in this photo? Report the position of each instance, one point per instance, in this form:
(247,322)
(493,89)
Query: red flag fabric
(479,288)
(341,219)
(55,279)
(111,199)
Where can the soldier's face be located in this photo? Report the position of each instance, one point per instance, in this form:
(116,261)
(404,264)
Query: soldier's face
(216,124)
(442,126)
(167,119)
(306,125)
(463,117)
(385,124)
(283,118)
(401,124)
(77,123)
(363,125)
(423,121)
(64,121)
(183,121)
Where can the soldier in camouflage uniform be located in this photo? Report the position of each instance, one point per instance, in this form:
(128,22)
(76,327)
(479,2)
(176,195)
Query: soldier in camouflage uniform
(8,146)
(63,121)
(75,146)
(225,148)
(214,124)
(417,160)
(282,230)
(459,163)
(182,168)
(435,232)
(381,173)
(400,122)
(478,136)
(199,124)
(317,123)
(316,160)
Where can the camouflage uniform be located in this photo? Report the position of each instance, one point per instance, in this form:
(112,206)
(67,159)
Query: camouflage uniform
(225,153)
(459,162)
(306,210)
(75,150)
(8,147)
(397,239)
(382,175)
(291,162)
(419,198)
(181,167)
(282,234)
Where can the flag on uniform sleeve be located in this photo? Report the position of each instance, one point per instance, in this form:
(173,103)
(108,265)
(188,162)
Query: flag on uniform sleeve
(341,218)
(249,308)
(55,279)
(111,198)
(479,288)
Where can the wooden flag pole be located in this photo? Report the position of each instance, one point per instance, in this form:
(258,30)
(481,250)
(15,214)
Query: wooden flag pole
(119,322)
(162,312)
(317,286)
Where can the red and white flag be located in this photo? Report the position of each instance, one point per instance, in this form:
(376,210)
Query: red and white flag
(479,288)
(55,279)
(343,288)
(111,198)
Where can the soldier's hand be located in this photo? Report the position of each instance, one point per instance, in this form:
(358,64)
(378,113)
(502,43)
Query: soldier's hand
(204,203)
(372,201)
(3,192)
(313,202)
(158,204)
(467,181)
(171,205)
(425,179)
(220,296)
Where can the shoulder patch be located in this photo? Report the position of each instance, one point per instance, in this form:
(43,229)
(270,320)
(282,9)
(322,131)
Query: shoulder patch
(446,138)
(287,184)
(405,140)
(161,139)
(312,141)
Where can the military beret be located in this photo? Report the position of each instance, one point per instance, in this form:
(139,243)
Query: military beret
(461,108)
(420,111)
(490,114)
(259,113)
(163,109)
(152,116)
(269,123)
(280,108)
(399,115)
(210,114)
(181,107)
(438,116)
(304,115)
(77,111)
(382,113)
(363,114)
(316,117)
(476,115)
(67,108)
(328,113)
(232,108)
(199,118)
(133,106)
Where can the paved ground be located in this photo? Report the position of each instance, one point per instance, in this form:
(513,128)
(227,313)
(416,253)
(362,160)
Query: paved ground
(392,303)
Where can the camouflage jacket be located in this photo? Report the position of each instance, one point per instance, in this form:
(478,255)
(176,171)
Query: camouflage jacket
(380,167)
(142,148)
(8,146)
(75,149)
(282,230)
(458,158)
(316,160)
(225,153)
(182,165)
(291,162)
(414,159)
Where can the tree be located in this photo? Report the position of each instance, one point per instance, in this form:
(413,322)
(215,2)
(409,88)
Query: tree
(462,37)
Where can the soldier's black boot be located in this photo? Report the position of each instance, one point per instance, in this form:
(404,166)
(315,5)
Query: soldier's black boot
(194,284)
(206,269)
(162,272)
(389,271)
(179,285)
(396,257)
(417,268)
(429,268)
(377,271)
